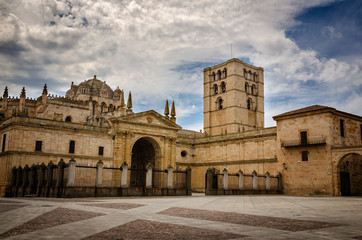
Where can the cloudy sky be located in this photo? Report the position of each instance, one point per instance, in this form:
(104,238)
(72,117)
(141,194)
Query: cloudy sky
(310,50)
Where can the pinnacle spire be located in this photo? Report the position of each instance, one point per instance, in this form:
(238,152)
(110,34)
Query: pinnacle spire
(45,90)
(23,92)
(6,94)
(167,110)
(173,112)
(122,99)
(129,102)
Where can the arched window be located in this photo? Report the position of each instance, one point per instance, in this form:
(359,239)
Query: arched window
(244,73)
(215,89)
(71,146)
(218,75)
(223,87)
(103,107)
(68,119)
(110,108)
(249,104)
(249,75)
(219,103)
(246,87)
(213,76)
(94,108)
(225,73)
(254,77)
(253,89)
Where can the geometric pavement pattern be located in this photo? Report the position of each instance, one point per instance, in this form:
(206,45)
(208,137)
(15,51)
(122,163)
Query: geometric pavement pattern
(120,206)
(8,207)
(241,217)
(144,229)
(247,219)
(52,218)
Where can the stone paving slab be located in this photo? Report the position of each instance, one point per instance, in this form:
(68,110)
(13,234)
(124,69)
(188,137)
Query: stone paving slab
(247,219)
(52,218)
(121,206)
(8,207)
(144,229)
(342,215)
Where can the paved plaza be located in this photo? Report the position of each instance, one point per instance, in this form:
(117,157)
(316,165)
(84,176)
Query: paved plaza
(196,217)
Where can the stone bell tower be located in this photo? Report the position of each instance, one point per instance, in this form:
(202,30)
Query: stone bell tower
(233,98)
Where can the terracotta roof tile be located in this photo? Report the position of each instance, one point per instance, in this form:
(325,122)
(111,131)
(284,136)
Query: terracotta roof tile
(304,110)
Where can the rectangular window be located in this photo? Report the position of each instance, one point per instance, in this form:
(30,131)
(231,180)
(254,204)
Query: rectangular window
(71,146)
(100,151)
(38,145)
(303,138)
(341,125)
(4,142)
(305,156)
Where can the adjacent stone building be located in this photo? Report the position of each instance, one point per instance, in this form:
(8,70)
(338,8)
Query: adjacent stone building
(317,149)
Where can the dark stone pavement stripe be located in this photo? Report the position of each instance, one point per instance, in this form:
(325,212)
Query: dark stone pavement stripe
(144,229)
(70,200)
(8,207)
(121,206)
(8,201)
(358,238)
(52,218)
(247,219)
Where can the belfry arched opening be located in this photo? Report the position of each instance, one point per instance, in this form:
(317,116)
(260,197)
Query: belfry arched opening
(350,175)
(144,151)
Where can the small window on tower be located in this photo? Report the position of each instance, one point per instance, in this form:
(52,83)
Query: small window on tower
(303,138)
(225,73)
(341,124)
(100,151)
(223,87)
(71,146)
(213,76)
(249,104)
(220,102)
(253,90)
(218,75)
(215,89)
(68,119)
(38,145)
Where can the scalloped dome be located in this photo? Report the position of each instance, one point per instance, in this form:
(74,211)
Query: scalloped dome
(91,87)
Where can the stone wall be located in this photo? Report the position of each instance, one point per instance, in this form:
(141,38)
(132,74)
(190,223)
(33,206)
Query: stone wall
(248,151)
(22,134)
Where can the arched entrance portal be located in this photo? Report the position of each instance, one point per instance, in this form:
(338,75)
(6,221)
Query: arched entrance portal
(144,151)
(350,175)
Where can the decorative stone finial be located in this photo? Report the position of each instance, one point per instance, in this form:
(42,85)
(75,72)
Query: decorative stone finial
(167,110)
(122,99)
(23,92)
(45,90)
(173,112)
(129,102)
(95,77)
(6,93)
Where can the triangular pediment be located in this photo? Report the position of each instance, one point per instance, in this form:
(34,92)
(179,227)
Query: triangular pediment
(149,118)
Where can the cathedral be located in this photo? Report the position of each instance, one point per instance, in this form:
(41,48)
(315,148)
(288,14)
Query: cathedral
(317,150)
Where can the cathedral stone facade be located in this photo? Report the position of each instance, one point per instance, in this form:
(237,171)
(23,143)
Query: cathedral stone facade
(316,150)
